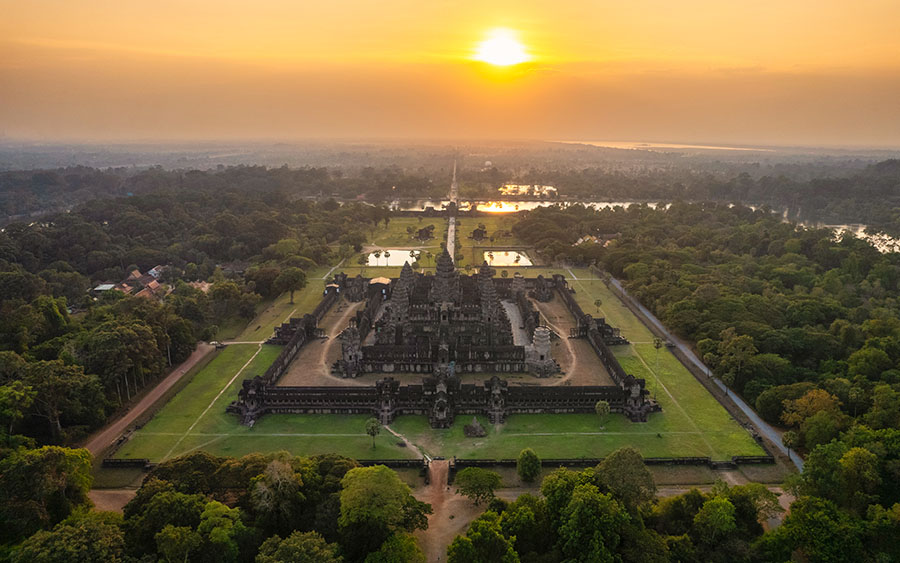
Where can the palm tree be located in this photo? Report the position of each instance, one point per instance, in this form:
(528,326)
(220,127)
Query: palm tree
(386,256)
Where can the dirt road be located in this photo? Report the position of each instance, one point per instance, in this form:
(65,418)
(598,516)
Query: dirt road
(106,436)
(451,513)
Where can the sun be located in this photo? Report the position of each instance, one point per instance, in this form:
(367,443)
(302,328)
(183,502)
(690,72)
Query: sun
(501,48)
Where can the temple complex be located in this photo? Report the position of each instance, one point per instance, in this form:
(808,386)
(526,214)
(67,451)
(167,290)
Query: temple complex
(443,326)
(422,322)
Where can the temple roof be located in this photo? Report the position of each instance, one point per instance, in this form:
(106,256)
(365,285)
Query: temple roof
(445,262)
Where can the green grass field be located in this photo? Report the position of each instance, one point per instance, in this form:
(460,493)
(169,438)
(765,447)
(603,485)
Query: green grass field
(692,423)
(395,233)
(196,419)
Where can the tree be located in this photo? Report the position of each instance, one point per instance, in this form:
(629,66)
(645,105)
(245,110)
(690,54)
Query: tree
(15,400)
(154,510)
(602,409)
(291,279)
(64,392)
(528,465)
(504,273)
(590,525)
(483,543)
(735,353)
(796,411)
(885,411)
(715,520)
(859,479)
(83,538)
(821,428)
(598,303)
(790,440)
(375,503)
(868,363)
(373,428)
(222,531)
(41,487)
(814,530)
(177,543)
(478,484)
(557,489)
(299,547)
(398,547)
(528,521)
(626,476)
(276,498)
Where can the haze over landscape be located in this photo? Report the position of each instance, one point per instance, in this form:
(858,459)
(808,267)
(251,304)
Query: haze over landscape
(808,72)
(449,281)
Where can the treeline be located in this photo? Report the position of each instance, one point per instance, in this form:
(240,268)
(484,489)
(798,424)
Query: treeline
(845,510)
(35,191)
(264,508)
(277,508)
(870,195)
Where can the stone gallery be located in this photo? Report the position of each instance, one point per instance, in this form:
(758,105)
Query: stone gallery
(444,326)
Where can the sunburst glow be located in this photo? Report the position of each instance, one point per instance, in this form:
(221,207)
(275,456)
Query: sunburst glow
(501,48)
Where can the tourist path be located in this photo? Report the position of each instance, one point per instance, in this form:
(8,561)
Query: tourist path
(451,223)
(106,436)
(406,441)
(451,513)
(764,427)
(328,275)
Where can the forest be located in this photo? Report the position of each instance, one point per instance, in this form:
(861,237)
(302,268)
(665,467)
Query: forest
(68,358)
(278,508)
(800,323)
(829,191)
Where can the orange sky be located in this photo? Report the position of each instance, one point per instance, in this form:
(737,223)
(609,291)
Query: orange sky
(823,72)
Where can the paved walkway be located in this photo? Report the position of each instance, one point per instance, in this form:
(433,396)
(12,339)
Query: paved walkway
(762,426)
(451,223)
(106,436)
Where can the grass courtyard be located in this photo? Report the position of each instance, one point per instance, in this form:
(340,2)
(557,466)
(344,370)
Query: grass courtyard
(395,233)
(692,423)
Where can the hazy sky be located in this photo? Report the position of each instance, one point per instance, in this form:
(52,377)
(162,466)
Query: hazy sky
(820,72)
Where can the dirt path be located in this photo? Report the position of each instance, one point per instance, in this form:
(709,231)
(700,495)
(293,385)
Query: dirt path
(312,366)
(576,358)
(406,441)
(112,500)
(451,513)
(106,436)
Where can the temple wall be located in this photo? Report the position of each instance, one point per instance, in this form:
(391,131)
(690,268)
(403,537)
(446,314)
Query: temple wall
(388,398)
(304,331)
(593,336)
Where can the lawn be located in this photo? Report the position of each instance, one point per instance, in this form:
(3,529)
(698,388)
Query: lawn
(578,435)
(272,313)
(395,235)
(495,225)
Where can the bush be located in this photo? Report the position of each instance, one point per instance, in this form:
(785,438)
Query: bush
(528,465)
